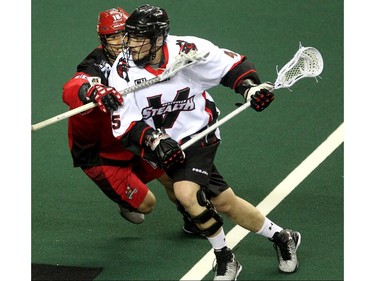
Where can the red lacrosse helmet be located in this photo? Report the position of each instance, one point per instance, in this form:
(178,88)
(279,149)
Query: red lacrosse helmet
(111,21)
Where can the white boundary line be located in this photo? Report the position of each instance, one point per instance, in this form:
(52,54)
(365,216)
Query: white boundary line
(234,236)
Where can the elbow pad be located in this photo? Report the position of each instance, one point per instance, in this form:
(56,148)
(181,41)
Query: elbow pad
(244,70)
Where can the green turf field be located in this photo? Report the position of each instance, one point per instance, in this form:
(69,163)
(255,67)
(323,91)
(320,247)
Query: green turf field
(74,224)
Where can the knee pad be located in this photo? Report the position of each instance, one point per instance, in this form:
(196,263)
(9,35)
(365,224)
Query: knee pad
(186,216)
(209,213)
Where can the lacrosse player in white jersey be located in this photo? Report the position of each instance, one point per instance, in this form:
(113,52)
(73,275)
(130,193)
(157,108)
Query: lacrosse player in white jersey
(153,122)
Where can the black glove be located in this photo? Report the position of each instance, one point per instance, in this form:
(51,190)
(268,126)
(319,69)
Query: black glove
(107,98)
(167,150)
(259,95)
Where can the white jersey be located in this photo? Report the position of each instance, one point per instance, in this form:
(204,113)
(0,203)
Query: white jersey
(181,105)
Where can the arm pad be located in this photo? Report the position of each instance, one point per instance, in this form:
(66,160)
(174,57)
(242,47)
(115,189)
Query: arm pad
(234,78)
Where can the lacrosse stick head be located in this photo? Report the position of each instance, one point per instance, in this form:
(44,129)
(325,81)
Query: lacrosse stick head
(307,62)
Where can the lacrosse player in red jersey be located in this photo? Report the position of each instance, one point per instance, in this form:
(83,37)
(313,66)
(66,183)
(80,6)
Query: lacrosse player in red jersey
(154,122)
(119,174)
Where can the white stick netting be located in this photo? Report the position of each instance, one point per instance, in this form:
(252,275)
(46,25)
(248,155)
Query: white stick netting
(307,62)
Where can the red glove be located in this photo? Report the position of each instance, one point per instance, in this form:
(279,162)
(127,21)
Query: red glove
(107,98)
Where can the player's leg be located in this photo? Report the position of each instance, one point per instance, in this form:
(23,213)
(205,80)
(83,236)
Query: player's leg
(240,211)
(168,185)
(249,217)
(189,180)
(123,187)
(148,171)
(209,223)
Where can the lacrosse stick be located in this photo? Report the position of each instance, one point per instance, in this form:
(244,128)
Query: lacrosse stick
(182,61)
(307,62)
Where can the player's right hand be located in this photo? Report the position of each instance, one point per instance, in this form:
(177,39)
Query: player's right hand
(107,98)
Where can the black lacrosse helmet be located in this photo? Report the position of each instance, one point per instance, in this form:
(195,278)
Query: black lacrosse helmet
(148,21)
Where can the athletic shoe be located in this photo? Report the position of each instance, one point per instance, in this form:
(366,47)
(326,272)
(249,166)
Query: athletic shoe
(132,216)
(227,267)
(286,243)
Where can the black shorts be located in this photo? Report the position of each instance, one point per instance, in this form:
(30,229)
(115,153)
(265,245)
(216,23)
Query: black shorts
(199,168)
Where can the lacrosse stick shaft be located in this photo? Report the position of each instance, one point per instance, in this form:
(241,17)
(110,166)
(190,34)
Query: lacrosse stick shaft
(90,105)
(62,116)
(311,66)
(182,62)
(213,127)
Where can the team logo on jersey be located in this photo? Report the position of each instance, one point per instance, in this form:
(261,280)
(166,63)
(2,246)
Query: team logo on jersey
(169,107)
(186,47)
(104,67)
(165,114)
(122,69)
(130,192)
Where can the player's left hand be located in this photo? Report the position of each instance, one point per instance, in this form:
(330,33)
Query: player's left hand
(260,96)
(107,98)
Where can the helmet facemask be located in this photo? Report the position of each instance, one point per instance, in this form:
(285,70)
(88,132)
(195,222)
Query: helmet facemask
(146,31)
(111,29)
(112,45)
(141,50)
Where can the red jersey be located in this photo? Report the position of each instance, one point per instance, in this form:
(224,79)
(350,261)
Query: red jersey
(91,141)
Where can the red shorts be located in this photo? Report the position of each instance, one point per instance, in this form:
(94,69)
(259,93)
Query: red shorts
(125,185)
